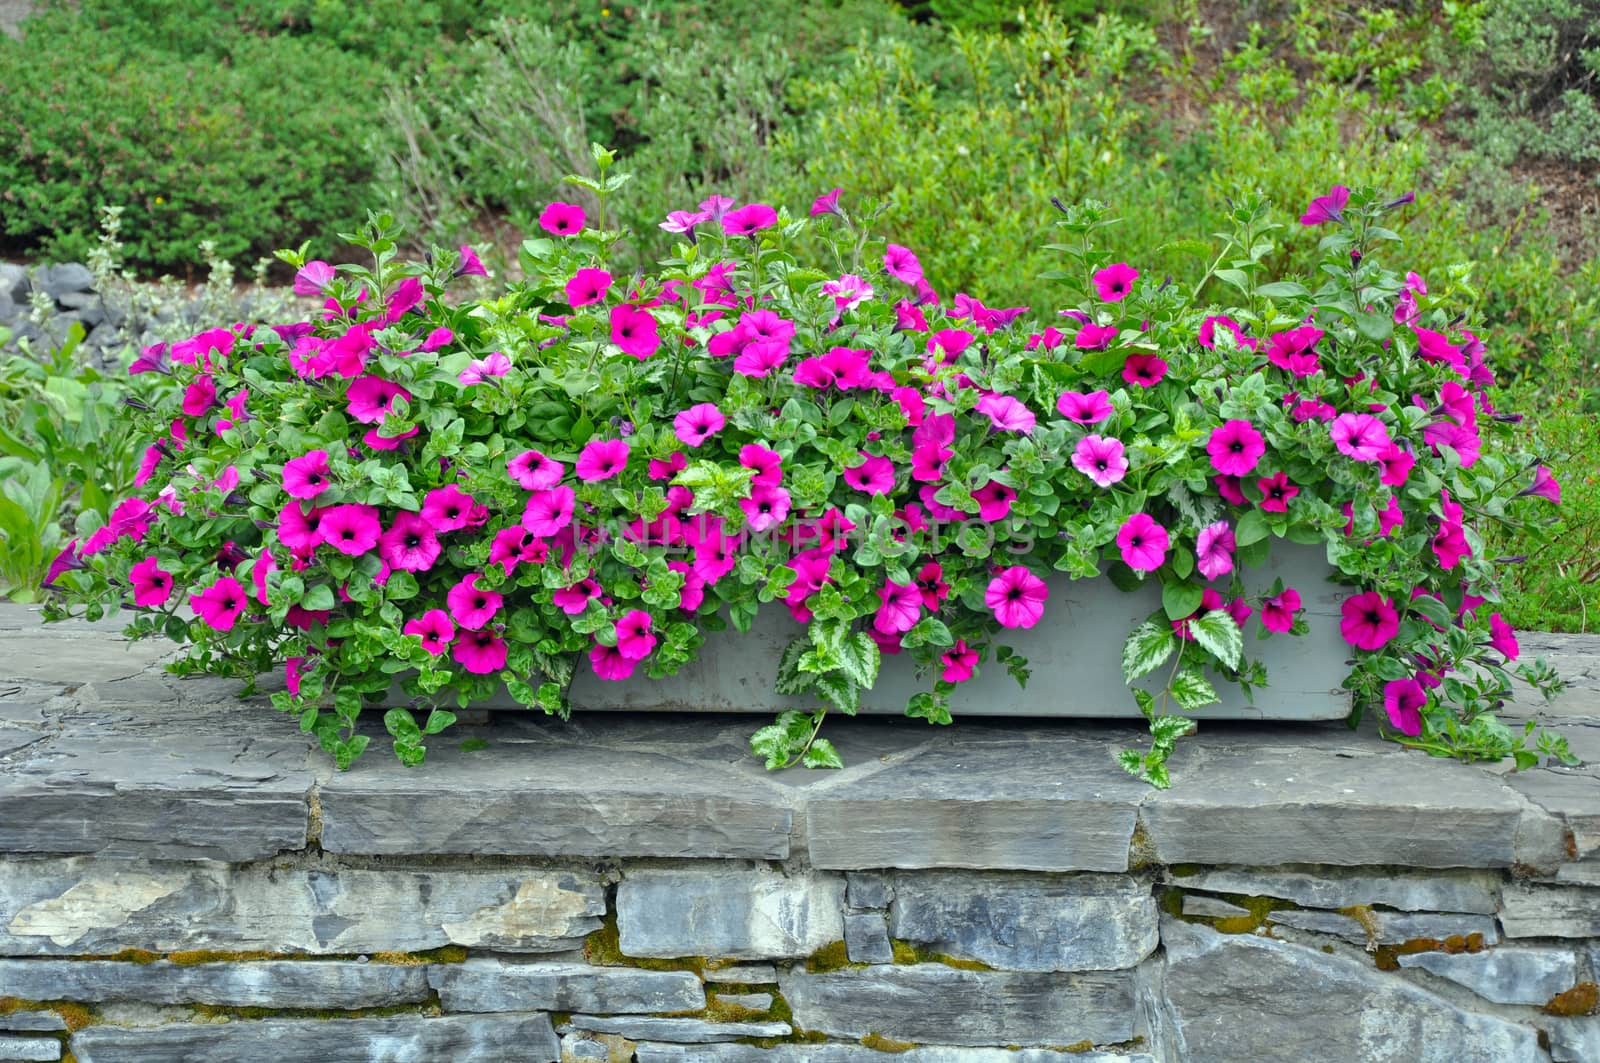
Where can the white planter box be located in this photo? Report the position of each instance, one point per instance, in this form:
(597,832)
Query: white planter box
(1075,655)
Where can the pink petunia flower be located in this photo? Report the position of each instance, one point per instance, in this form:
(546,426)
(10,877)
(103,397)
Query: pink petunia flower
(409,544)
(760,358)
(199,397)
(312,278)
(434,628)
(1276,492)
(439,337)
(899,608)
(1092,337)
(1101,459)
(959,661)
(1360,436)
(609,663)
(1114,282)
(767,463)
(471,607)
(848,292)
(152,584)
(351,529)
(1397,464)
(1503,637)
(931,585)
(563,219)
(535,472)
(219,605)
(874,476)
(766,507)
(635,331)
(1017,597)
(588,286)
(749,219)
(994,501)
(1086,409)
(1143,543)
(1144,370)
(634,637)
(447,509)
(370,399)
(1312,409)
(666,469)
(494,364)
(300,529)
(1295,350)
(1278,612)
(1404,700)
(901,264)
(827,203)
(1214,549)
(1235,448)
(1459,438)
(471,265)
(548,511)
(1007,413)
(698,423)
(480,652)
(1544,486)
(1326,208)
(602,459)
(575,599)
(1369,621)
(308,475)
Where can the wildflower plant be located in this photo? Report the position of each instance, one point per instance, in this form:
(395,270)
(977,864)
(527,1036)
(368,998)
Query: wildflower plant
(594,471)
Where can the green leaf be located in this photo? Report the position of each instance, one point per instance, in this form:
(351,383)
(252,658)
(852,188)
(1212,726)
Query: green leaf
(318,597)
(1375,326)
(1147,649)
(1283,290)
(1168,729)
(839,690)
(1252,528)
(1191,690)
(782,740)
(1432,608)
(822,755)
(401,724)
(1181,599)
(1217,633)
(1146,702)
(858,658)
(438,720)
(791,680)
(1132,762)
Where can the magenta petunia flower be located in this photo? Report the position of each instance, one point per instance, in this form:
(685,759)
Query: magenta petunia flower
(994,501)
(1006,413)
(1101,459)
(959,661)
(493,364)
(1144,370)
(1092,337)
(827,203)
(219,605)
(1114,282)
(1276,492)
(1295,350)
(901,264)
(1369,621)
(1360,436)
(152,584)
(1278,612)
(575,599)
(548,511)
(899,608)
(634,637)
(588,286)
(1404,700)
(371,399)
(535,472)
(766,507)
(471,265)
(299,528)
(471,607)
(199,397)
(848,291)
(1017,597)
(1235,448)
(874,476)
(312,278)
(447,508)
(609,663)
(1459,438)
(1503,637)
(666,469)
(1143,543)
(563,219)
(1214,549)
(308,475)
(351,528)
(683,221)
(634,330)
(480,652)
(767,463)
(1081,408)
(1328,207)
(510,547)
(931,585)
(1312,410)
(749,219)
(409,544)
(152,359)
(434,628)
(760,358)
(1544,486)
(698,423)
(436,339)
(601,459)
(1397,463)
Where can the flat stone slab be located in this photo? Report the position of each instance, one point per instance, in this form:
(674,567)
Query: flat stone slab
(1314,887)
(1530,910)
(414,1039)
(1509,975)
(29,1048)
(936,1004)
(837,1053)
(482,984)
(747,914)
(84,906)
(338,984)
(682,1031)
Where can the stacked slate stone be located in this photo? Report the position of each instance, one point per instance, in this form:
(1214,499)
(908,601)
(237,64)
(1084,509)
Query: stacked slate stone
(184,876)
(70,289)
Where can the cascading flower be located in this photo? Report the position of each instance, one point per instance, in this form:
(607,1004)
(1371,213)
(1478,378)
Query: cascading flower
(535,472)
(351,528)
(308,475)
(1278,612)
(901,264)
(1403,701)
(562,219)
(409,544)
(768,464)
(1360,436)
(1276,492)
(1214,549)
(152,584)
(749,219)
(472,607)
(1007,413)
(602,459)
(447,508)
(371,399)
(1017,597)
(698,423)
(609,663)
(435,630)
(587,287)
(1326,208)
(635,331)
(1369,621)
(635,639)
(548,511)
(1544,486)
(959,661)
(899,608)
(873,476)
(767,507)
(219,605)
(994,501)
(492,365)
(1085,409)
(1114,282)
(480,652)
(1503,637)
(1144,370)
(1101,459)
(1143,543)
(1235,448)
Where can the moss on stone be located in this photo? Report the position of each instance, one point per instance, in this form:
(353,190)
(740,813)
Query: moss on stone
(603,948)
(443,954)
(879,1043)
(224,1011)
(194,957)
(75,1015)
(1079,1047)
(1387,957)
(830,957)
(1581,999)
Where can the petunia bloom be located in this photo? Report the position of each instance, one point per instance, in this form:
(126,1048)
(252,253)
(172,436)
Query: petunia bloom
(1403,701)
(1503,637)
(1007,414)
(588,286)
(1017,597)
(1144,370)
(308,475)
(601,459)
(899,608)
(312,278)
(1086,409)
(434,628)
(749,219)
(480,652)
(562,219)
(1113,283)
(1544,486)
(1214,549)
(1143,543)
(1235,448)
(535,472)
(1276,492)
(634,637)
(447,508)
(609,663)
(874,476)
(351,528)
(1278,612)
(471,607)
(409,544)
(994,501)
(548,511)
(959,661)
(1369,621)
(494,364)
(1326,208)
(219,605)
(1360,436)
(827,203)
(901,264)
(698,423)
(635,331)
(1101,459)
(152,584)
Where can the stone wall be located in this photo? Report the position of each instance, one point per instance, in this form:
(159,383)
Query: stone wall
(185,878)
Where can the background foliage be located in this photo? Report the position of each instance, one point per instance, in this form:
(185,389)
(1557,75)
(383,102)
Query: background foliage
(258,124)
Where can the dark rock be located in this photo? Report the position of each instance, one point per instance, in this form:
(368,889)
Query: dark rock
(340,984)
(65,279)
(682,1031)
(866,938)
(494,985)
(749,913)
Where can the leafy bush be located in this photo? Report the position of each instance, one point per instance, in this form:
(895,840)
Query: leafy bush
(593,471)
